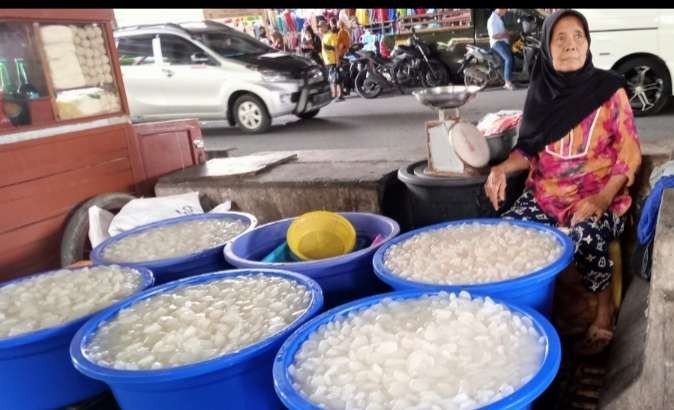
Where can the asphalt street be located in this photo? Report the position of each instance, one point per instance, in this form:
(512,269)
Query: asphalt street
(392,120)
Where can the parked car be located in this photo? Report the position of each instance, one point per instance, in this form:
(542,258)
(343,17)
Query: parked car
(209,71)
(636,43)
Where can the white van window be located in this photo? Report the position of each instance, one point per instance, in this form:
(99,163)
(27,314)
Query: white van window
(176,50)
(135,50)
(233,45)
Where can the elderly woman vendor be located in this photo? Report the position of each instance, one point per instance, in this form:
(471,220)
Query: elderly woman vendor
(578,141)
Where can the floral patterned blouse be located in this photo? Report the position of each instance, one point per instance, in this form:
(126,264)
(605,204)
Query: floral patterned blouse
(580,164)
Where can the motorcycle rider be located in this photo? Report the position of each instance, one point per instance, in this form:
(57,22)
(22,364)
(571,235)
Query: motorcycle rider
(499,40)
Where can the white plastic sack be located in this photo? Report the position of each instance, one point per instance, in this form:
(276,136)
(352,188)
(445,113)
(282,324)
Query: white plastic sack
(99,221)
(664,170)
(147,210)
(223,207)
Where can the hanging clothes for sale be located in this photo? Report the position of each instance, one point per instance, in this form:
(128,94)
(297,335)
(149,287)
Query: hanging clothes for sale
(330,14)
(391,14)
(280,25)
(356,33)
(299,23)
(271,22)
(421,11)
(401,12)
(383,50)
(289,21)
(381,15)
(368,39)
(344,18)
(363,17)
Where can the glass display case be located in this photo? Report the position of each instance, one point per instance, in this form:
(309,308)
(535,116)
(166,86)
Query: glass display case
(55,72)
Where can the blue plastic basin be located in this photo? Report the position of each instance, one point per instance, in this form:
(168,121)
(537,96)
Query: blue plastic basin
(520,399)
(167,270)
(240,380)
(342,278)
(35,368)
(535,289)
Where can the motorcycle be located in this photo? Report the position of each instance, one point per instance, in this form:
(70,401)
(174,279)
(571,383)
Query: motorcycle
(350,65)
(377,75)
(484,67)
(419,64)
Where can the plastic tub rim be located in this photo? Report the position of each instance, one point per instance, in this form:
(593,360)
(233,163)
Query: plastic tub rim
(523,396)
(542,274)
(407,176)
(147,280)
(236,260)
(117,376)
(97,253)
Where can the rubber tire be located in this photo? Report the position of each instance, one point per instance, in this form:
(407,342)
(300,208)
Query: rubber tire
(76,234)
(411,81)
(309,114)
(265,124)
(472,77)
(358,83)
(661,71)
(442,72)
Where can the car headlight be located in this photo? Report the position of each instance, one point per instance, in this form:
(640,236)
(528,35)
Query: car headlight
(274,76)
(315,75)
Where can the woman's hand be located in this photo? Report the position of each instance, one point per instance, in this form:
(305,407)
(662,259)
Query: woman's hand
(495,186)
(592,206)
(597,204)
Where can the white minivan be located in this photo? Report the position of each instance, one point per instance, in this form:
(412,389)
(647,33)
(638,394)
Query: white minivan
(639,44)
(209,71)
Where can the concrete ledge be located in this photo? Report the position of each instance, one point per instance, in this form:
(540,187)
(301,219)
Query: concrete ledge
(640,372)
(361,180)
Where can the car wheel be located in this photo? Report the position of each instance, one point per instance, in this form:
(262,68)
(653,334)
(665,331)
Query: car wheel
(308,114)
(649,85)
(251,114)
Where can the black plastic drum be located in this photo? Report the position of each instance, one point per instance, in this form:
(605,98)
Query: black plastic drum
(432,199)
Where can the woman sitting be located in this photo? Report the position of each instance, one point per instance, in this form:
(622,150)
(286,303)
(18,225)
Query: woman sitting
(577,138)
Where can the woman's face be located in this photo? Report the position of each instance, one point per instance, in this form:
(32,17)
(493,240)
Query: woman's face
(568,45)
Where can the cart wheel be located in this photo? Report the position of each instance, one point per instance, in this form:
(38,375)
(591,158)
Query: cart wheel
(75,244)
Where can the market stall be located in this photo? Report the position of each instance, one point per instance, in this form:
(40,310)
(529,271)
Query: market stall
(65,134)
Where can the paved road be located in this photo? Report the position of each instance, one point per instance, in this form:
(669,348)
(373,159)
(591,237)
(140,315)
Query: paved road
(392,120)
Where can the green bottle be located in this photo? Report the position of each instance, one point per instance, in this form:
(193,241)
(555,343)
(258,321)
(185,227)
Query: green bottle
(25,90)
(6,86)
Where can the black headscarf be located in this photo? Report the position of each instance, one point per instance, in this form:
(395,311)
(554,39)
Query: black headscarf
(557,102)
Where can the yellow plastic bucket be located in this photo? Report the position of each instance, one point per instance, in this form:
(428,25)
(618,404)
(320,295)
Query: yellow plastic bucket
(320,235)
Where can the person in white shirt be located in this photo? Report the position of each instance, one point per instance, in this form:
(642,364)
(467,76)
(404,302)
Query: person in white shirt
(499,40)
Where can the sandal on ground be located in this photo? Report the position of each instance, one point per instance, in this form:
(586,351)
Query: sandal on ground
(594,342)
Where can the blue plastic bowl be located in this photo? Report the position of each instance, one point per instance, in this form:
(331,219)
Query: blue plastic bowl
(535,289)
(167,270)
(520,399)
(35,368)
(342,278)
(237,380)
